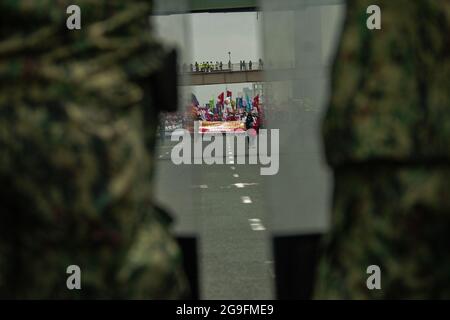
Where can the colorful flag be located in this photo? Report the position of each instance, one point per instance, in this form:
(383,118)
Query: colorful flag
(249,103)
(221,98)
(256,102)
(211,103)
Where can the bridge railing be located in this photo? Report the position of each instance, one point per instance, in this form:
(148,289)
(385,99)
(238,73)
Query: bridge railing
(233,67)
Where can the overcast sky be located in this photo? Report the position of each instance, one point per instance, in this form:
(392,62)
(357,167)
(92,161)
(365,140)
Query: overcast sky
(209,37)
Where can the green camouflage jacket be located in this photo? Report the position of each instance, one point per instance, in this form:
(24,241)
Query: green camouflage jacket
(77,125)
(390,87)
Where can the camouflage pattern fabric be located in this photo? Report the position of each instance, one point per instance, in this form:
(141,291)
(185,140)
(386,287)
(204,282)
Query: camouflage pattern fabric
(77,133)
(396,218)
(387,138)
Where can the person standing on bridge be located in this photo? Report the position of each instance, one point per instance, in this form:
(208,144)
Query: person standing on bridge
(220,66)
(250,65)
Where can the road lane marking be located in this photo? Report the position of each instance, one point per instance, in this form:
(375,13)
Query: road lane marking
(256,225)
(201,186)
(236,175)
(246,199)
(271,268)
(243,184)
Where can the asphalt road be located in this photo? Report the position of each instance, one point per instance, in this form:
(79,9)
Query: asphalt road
(223,206)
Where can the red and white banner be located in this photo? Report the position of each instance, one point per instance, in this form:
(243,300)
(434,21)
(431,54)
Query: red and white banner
(221,126)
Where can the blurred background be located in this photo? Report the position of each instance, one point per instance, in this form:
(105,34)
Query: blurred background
(239,230)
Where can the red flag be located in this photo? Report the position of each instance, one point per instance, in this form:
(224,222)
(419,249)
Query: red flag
(220,97)
(229,94)
(256,102)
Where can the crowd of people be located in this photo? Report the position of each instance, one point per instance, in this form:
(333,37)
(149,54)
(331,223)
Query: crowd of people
(244,109)
(210,66)
(205,114)
(241,109)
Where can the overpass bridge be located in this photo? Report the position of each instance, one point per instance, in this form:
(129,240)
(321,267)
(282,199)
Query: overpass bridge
(232,73)
(219,77)
(236,74)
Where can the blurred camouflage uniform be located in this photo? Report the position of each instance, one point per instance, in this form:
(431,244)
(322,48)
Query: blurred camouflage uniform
(387,137)
(77,129)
